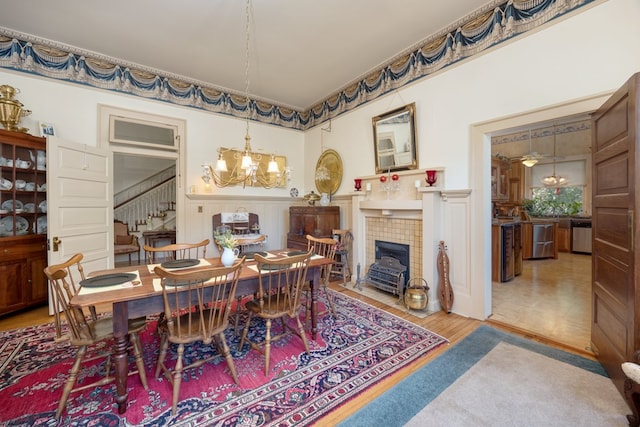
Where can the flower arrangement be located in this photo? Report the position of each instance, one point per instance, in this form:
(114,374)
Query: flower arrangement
(225,239)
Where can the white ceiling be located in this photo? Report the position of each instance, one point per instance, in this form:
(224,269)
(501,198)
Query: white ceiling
(302,51)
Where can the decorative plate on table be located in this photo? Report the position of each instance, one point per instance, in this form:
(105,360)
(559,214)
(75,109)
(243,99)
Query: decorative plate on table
(180,263)
(249,255)
(294,253)
(273,267)
(107,280)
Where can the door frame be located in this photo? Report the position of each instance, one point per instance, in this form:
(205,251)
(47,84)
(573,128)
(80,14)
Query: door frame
(104,114)
(480,180)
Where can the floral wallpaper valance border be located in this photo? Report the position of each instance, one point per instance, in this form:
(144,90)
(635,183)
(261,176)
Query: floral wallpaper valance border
(495,23)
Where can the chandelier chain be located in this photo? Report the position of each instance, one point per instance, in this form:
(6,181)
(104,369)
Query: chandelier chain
(246,69)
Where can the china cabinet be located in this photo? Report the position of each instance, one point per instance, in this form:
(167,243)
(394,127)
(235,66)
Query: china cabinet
(318,221)
(23,221)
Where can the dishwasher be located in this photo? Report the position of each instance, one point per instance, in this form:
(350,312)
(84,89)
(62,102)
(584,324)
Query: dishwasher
(581,236)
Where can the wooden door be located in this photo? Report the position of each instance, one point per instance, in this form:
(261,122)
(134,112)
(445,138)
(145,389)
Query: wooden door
(80,204)
(615,296)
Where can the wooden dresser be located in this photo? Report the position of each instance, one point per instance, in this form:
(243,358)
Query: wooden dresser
(319,221)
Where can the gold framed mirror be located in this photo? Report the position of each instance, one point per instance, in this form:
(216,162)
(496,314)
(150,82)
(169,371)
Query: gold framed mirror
(394,140)
(328,172)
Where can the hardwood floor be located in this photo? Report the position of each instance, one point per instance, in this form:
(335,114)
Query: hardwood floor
(451,326)
(551,298)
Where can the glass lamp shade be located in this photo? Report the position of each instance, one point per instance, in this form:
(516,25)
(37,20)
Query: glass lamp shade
(554,181)
(246,161)
(273,165)
(529,162)
(221,164)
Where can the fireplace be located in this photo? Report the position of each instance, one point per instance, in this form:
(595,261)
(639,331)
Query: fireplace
(398,251)
(390,271)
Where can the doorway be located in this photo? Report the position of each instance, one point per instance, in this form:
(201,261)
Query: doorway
(144,144)
(480,176)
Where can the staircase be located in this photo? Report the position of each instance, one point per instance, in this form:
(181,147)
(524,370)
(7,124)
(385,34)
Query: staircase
(152,198)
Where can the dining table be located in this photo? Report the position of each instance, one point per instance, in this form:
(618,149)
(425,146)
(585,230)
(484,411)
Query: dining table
(141,295)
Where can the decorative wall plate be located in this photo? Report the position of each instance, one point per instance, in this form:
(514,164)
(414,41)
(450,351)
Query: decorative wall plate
(294,192)
(330,162)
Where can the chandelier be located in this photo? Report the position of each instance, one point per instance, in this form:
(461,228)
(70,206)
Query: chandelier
(554,180)
(248,166)
(530,159)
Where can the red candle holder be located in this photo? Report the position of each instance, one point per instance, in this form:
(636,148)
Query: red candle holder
(357,184)
(383,178)
(431,177)
(395,177)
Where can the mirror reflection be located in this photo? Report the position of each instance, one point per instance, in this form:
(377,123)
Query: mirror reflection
(395,140)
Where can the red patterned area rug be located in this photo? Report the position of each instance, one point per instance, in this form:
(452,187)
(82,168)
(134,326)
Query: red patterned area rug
(353,352)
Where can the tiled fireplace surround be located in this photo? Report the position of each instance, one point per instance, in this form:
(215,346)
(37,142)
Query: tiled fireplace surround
(418,217)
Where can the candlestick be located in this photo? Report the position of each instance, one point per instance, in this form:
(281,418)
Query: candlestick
(368,186)
(417,183)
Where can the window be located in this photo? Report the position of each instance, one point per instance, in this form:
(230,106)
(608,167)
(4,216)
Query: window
(127,130)
(567,200)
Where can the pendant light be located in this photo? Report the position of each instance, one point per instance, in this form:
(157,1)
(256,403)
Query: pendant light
(554,180)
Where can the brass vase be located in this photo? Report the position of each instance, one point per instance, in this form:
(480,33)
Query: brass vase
(11,111)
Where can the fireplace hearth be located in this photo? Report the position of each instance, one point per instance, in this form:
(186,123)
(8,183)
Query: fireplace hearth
(390,272)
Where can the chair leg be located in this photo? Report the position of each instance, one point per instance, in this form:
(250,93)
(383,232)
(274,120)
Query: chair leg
(71,381)
(245,331)
(237,315)
(267,347)
(330,300)
(224,350)
(137,351)
(303,335)
(177,379)
(164,346)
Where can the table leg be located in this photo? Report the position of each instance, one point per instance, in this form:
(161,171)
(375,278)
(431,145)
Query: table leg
(120,354)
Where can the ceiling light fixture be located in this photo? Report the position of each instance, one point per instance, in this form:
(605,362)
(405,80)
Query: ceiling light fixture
(529,160)
(554,180)
(250,170)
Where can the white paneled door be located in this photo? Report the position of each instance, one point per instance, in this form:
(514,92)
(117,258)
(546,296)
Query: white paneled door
(79,204)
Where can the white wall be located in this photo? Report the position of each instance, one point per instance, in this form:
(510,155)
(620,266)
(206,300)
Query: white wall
(590,53)
(586,54)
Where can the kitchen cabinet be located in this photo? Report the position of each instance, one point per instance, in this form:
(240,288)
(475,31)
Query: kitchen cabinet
(539,239)
(516,182)
(318,221)
(564,235)
(23,221)
(506,251)
(499,180)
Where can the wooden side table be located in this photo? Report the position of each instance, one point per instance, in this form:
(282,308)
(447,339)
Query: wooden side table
(151,238)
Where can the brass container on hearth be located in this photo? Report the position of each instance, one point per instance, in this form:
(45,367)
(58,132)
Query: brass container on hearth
(416,295)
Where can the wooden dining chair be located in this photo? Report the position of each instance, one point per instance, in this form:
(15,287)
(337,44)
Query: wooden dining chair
(252,244)
(87,331)
(279,288)
(342,265)
(176,251)
(256,244)
(325,247)
(197,304)
(75,274)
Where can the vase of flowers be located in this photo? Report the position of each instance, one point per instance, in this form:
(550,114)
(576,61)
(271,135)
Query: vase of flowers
(229,245)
